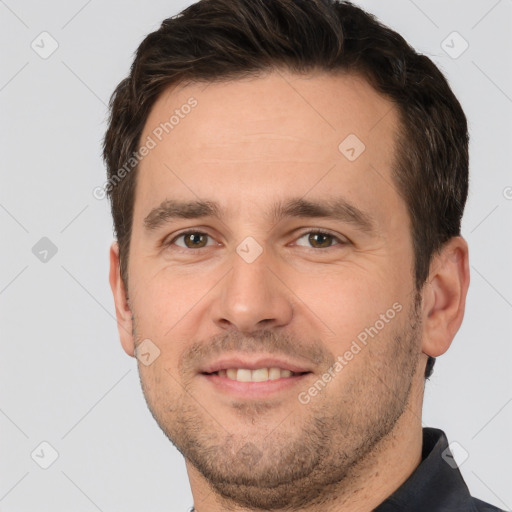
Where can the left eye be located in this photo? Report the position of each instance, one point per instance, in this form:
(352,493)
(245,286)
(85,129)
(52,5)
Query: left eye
(318,239)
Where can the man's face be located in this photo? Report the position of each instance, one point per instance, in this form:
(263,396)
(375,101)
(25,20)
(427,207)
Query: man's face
(252,307)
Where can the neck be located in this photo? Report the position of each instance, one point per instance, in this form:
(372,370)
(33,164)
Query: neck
(369,483)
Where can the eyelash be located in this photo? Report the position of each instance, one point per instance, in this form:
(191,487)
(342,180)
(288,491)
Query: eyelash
(311,232)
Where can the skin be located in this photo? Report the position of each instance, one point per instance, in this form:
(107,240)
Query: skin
(246,144)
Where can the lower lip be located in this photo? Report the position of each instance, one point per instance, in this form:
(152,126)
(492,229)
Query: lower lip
(254,389)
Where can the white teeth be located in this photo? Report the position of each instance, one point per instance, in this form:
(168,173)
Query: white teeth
(258,375)
(243,375)
(274,373)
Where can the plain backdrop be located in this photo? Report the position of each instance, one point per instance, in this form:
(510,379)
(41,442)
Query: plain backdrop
(64,379)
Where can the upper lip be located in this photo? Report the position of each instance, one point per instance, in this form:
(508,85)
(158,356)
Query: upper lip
(253,363)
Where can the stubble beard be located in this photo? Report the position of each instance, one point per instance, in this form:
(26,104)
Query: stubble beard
(307,457)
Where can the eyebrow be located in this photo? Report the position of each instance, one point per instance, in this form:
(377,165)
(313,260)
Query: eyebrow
(172,209)
(334,208)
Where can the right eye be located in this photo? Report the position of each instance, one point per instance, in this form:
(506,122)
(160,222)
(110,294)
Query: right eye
(190,240)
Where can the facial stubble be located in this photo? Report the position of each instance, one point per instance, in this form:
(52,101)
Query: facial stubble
(304,457)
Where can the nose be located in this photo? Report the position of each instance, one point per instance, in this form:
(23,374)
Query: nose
(252,297)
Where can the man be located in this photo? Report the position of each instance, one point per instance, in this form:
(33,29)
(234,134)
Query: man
(287,181)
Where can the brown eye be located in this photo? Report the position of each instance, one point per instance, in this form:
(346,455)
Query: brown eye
(191,240)
(194,240)
(320,240)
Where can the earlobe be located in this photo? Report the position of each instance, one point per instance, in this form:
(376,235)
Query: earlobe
(444,296)
(123,311)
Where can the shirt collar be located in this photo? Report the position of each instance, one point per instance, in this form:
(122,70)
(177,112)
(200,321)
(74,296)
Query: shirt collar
(436,484)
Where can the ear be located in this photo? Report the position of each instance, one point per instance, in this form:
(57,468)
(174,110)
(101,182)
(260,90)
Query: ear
(444,296)
(123,311)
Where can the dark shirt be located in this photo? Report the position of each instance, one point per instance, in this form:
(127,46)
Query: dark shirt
(436,485)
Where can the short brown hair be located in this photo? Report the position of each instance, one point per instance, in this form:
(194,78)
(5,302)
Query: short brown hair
(228,39)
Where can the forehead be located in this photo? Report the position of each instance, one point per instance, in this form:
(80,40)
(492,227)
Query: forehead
(277,134)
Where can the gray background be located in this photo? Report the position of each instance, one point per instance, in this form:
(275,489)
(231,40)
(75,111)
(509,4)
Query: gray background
(64,378)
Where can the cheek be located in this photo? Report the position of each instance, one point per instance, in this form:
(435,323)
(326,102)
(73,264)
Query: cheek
(344,303)
(171,309)
(163,299)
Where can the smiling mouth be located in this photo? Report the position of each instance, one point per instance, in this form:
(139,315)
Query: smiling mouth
(257,375)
